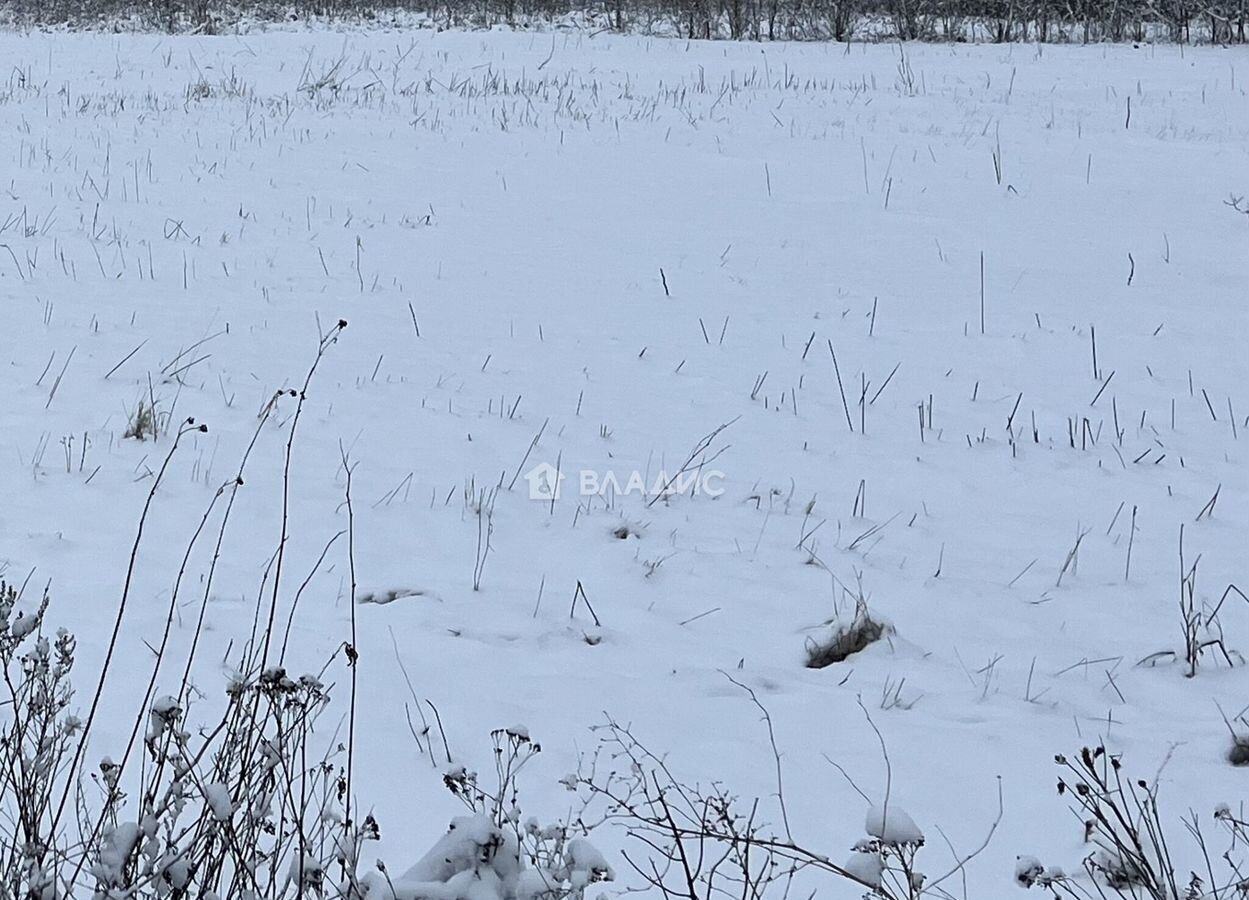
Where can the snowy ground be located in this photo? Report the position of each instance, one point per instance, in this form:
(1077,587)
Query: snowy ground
(635,242)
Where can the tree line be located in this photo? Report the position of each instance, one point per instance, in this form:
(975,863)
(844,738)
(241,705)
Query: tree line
(1069,21)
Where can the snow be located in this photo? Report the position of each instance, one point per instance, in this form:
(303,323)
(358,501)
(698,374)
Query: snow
(23,625)
(585,864)
(866,866)
(117,845)
(892,824)
(1029,872)
(608,255)
(217,796)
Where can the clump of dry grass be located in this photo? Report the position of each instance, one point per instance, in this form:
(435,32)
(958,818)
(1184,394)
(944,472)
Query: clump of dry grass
(847,639)
(142,422)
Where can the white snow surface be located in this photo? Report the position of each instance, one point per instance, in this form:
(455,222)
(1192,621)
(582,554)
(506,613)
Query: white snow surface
(622,244)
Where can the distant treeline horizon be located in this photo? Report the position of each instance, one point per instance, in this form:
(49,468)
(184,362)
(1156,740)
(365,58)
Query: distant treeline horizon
(986,21)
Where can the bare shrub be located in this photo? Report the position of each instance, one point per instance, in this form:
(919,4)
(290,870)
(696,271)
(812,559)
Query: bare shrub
(702,842)
(1131,843)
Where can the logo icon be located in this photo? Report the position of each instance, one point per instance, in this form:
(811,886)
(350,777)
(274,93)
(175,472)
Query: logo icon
(544,482)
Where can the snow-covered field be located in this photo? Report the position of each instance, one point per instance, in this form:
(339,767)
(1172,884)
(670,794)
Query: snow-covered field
(1025,259)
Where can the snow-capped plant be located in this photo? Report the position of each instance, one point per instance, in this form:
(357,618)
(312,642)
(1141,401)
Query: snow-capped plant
(1131,844)
(886,858)
(496,852)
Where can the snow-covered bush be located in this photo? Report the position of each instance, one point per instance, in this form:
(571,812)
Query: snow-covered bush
(227,807)
(37,730)
(221,806)
(496,852)
(479,860)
